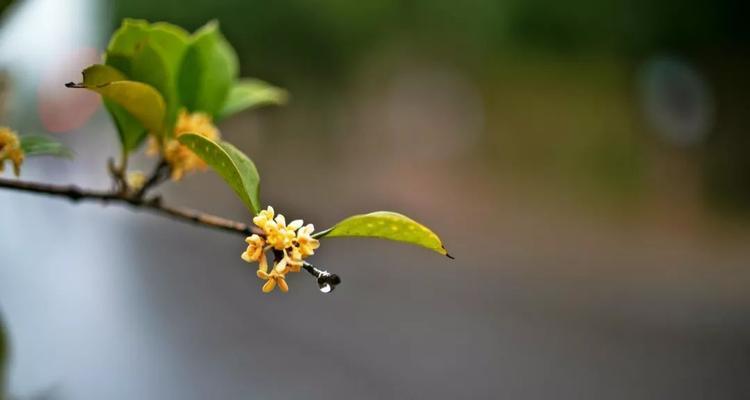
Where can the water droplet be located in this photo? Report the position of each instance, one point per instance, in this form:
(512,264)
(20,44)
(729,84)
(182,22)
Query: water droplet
(326,288)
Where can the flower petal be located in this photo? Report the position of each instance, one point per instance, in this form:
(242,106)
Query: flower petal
(296,224)
(307,229)
(282,284)
(268,287)
(280,220)
(281,265)
(263,262)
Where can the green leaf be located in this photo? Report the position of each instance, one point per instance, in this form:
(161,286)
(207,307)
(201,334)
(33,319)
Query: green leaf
(140,100)
(386,225)
(38,145)
(208,70)
(152,54)
(251,93)
(149,67)
(169,40)
(231,164)
(131,132)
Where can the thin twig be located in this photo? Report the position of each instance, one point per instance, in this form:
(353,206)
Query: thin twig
(118,176)
(160,174)
(76,194)
(326,280)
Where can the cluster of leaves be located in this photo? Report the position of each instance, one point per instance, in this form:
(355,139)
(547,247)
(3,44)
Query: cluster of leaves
(151,71)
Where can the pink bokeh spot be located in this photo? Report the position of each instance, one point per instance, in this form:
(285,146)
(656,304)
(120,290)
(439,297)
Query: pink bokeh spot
(62,109)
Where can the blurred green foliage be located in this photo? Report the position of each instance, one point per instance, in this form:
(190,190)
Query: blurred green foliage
(542,65)
(4,4)
(325,38)
(154,70)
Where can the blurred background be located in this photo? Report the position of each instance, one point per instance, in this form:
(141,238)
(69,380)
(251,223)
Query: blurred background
(586,162)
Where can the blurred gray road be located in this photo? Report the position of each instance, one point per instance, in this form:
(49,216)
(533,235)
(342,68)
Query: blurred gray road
(108,303)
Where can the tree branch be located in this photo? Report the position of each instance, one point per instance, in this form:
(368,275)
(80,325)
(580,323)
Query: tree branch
(154,205)
(326,280)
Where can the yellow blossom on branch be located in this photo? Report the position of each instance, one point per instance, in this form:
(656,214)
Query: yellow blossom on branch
(304,243)
(263,217)
(274,278)
(255,251)
(278,234)
(291,243)
(10,149)
(181,159)
(136,180)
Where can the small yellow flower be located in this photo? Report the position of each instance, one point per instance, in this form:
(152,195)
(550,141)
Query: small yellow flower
(254,252)
(10,149)
(305,244)
(263,217)
(136,180)
(273,279)
(181,159)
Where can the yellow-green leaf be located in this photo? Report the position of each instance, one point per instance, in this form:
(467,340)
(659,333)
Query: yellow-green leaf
(152,54)
(231,164)
(386,225)
(251,93)
(132,133)
(140,100)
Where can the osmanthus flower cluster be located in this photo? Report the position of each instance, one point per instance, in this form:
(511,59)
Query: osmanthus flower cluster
(15,148)
(169,87)
(180,159)
(292,242)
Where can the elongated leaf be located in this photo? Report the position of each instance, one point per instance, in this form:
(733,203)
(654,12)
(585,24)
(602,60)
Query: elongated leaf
(208,70)
(37,145)
(232,165)
(251,93)
(152,54)
(386,225)
(149,67)
(140,100)
(130,130)
(100,75)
